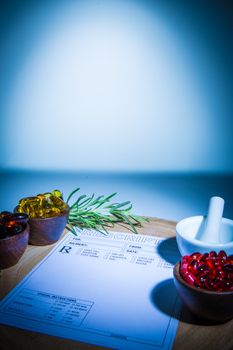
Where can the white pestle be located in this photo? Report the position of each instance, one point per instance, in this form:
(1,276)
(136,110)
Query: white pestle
(211,230)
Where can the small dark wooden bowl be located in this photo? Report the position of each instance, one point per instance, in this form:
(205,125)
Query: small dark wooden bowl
(208,305)
(12,248)
(44,231)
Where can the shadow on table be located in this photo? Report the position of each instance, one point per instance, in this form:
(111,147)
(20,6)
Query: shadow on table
(168,250)
(164,295)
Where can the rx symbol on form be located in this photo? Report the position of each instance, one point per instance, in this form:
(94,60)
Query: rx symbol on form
(65,249)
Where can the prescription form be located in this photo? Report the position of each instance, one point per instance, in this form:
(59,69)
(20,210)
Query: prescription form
(111,290)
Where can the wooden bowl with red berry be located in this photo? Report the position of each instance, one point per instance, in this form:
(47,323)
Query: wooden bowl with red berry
(204,282)
(14,235)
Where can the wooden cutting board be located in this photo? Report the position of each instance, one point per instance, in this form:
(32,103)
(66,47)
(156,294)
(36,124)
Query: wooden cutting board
(192,334)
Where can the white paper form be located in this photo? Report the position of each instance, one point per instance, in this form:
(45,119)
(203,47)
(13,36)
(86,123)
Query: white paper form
(108,290)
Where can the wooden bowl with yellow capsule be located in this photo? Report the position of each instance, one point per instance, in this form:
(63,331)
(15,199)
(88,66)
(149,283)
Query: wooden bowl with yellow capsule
(48,215)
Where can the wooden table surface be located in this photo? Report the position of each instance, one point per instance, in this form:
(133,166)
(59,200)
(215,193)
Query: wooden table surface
(191,334)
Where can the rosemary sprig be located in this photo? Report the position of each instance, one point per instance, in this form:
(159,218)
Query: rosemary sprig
(99,213)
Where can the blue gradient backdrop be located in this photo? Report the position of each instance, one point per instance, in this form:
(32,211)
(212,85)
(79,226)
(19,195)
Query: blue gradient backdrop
(133,97)
(116,85)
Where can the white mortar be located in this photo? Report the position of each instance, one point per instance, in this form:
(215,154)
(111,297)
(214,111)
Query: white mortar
(187,232)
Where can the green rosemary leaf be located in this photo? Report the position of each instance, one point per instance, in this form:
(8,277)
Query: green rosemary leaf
(99,213)
(103,201)
(129,222)
(117,206)
(71,229)
(80,199)
(110,196)
(86,202)
(71,194)
(137,219)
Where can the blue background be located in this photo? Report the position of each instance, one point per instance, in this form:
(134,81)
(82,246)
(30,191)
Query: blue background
(126,96)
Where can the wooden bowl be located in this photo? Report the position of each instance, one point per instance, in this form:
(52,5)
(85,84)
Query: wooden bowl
(208,305)
(44,231)
(12,248)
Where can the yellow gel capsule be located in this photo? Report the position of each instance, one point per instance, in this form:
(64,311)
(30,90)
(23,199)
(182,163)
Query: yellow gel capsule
(47,194)
(43,205)
(27,209)
(55,211)
(33,207)
(58,194)
(25,200)
(40,196)
(19,209)
(51,212)
(58,203)
(46,205)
